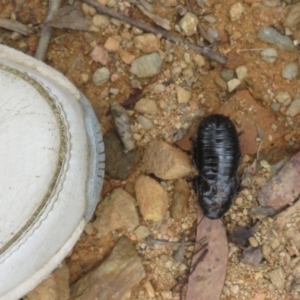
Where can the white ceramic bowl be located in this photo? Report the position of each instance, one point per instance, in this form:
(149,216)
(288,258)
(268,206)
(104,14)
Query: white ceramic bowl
(52,168)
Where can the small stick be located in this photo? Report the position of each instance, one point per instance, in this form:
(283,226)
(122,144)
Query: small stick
(178,254)
(249,50)
(183,281)
(205,51)
(46,32)
(151,241)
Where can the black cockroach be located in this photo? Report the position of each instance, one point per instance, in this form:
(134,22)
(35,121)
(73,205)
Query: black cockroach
(216,155)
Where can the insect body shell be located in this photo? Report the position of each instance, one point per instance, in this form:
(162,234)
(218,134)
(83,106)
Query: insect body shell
(216,155)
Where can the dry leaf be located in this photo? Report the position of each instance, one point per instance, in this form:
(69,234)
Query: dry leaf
(247,177)
(186,142)
(283,188)
(15,26)
(69,17)
(207,280)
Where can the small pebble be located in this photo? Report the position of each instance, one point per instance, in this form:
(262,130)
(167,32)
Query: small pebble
(188,24)
(99,54)
(253,242)
(101,76)
(187,57)
(126,57)
(150,290)
(270,35)
(266,250)
(239,200)
(182,267)
(199,60)
(210,19)
(236,11)
(111,45)
(180,10)
(169,264)
(275,243)
(271,3)
(290,71)
(269,55)
(284,98)
(235,289)
(294,108)
(167,295)
(146,65)
(241,72)
(146,123)
(275,106)
(159,88)
(101,21)
(15,36)
(147,106)
(114,91)
(233,84)
(84,77)
(213,34)
(183,96)
(227,74)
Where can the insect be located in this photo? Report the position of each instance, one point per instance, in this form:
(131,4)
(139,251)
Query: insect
(216,155)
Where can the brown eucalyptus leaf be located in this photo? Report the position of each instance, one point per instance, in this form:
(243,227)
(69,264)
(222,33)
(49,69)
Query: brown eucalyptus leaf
(207,280)
(186,143)
(283,188)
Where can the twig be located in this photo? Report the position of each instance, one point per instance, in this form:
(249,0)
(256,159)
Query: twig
(200,258)
(249,50)
(178,254)
(183,281)
(46,32)
(148,28)
(261,137)
(151,241)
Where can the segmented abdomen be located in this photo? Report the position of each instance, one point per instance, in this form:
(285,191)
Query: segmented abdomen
(216,156)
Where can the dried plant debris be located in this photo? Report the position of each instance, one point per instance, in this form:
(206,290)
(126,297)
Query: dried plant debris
(69,17)
(249,172)
(157,31)
(208,276)
(164,23)
(133,98)
(16,26)
(282,189)
(240,235)
(147,5)
(121,121)
(178,254)
(262,212)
